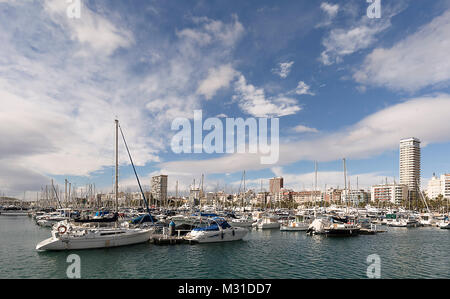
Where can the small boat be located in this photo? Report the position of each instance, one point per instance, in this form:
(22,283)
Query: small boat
(242,222)
(427,219)
(299,224)
(342,227)
(267,222)
(216,230)
(318,226)
(13,211)
(408,222)
(68,237)
(445,224)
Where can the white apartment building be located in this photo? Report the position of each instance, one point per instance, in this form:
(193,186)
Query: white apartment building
(437,186)
(410,164)
(355,196)
(394,193)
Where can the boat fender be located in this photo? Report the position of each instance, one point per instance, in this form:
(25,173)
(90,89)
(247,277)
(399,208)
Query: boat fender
(233,232)
(62,229)
(222,235)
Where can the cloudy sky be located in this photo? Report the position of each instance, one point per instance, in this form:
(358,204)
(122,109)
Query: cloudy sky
(342,85)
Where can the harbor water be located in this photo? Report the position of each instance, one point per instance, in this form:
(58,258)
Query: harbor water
(404,253)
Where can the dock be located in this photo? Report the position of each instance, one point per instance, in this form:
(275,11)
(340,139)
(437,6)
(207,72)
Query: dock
(161,239)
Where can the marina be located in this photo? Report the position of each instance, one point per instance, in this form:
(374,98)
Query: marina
(405,253)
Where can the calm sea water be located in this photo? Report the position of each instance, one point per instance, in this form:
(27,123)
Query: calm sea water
(404,253)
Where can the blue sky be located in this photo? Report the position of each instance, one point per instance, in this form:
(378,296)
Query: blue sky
(342,84)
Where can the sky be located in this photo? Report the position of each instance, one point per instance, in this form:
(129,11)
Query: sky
(342,85)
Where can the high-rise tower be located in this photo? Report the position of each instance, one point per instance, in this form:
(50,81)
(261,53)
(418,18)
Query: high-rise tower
(410,165)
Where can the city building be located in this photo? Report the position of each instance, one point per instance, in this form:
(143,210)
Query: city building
(355,197)
(159,189)
(306,196)
(445,183)
(275,185)
(434,188)
(394,193)
(439,186)
(333,195)
(410,165)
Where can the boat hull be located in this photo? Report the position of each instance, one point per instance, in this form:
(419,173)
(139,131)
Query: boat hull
(217,236)
(94,242)
(297,227)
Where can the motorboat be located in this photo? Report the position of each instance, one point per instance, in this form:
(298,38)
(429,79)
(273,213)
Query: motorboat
(318,226)
(242,222)
(427,219)
(342,227)
(267,222)
(66,236)
(405,222)
(444,225)
(333,226)
(13,211)
(298,224)
(216,229)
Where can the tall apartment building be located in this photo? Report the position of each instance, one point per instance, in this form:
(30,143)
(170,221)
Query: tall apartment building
(275,185)
(410,165)
(159,189)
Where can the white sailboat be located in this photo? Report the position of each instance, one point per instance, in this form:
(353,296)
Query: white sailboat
(67,236)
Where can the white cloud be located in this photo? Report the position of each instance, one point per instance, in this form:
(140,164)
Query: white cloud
(425,118)
(283,69)
(360,35)
(213,31)
(253,101)
(305,129)
(331,11)
(303,88)
(419,60)
(93,30)
(58,106)
(217,78)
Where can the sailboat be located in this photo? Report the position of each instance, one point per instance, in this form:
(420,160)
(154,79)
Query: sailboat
(67,236)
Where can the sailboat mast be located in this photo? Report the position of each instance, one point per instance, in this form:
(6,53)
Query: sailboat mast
(345,181)
(117,166)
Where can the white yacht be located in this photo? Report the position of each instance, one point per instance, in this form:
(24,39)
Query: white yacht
(299,224)
(267,222)
(427,219)
(65,236)
(242,222)
(216,230)
(444,224)
(319,226)
(402,222)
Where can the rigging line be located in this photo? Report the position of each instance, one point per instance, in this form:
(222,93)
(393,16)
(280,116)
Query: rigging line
(134,169)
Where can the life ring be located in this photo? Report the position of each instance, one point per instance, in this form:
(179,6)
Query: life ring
(62,229)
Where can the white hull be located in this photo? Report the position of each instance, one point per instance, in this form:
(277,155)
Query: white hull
(14,213)
(241,223)
(225,235)
(295,227)
(95,241)
(444,225)
(268,225)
